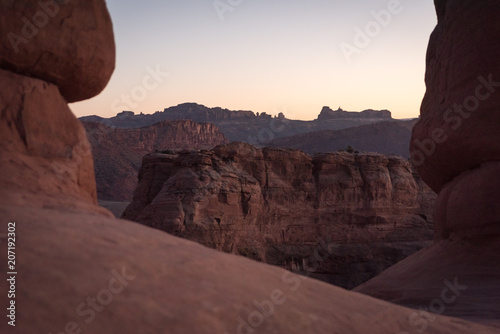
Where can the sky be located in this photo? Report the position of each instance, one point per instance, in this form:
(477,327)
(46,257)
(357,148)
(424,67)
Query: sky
(290,56)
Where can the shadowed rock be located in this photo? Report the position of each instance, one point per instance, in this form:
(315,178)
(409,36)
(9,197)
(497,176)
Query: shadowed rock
(459,126)
(279,206)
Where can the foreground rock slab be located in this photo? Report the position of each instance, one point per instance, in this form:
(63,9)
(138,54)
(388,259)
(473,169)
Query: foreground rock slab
(101,275)
(456,277)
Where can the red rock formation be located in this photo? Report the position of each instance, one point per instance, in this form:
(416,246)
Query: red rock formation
(118,152)
(78,59)
(277,206)
(43,147)
(81,271)
(459,113)
(459,127)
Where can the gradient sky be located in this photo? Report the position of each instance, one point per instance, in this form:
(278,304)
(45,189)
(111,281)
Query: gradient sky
(266,56)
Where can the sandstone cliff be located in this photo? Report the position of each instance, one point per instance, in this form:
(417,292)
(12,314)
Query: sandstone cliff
(278,205)
(118,152)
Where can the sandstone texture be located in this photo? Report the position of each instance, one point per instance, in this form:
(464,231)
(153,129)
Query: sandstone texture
(43,147)
(459,113)
(79,58)
(279,206)
(460,274)
(151,282)
(118,152)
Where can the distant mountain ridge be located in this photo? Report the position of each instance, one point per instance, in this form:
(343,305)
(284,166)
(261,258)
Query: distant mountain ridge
(388,137)
(328,113)
(245,125)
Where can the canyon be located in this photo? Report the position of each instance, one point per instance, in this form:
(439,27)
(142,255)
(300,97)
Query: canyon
(82,270)
(279,205)
(118,152)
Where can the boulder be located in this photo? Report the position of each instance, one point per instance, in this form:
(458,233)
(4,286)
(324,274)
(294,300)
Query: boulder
(67,43)
(43,147)
(459,113)
(460,130)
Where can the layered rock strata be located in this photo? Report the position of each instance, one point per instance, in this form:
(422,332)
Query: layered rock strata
(279,205)
(118,152)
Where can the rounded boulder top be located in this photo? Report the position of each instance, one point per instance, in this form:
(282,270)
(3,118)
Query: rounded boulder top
(69,43)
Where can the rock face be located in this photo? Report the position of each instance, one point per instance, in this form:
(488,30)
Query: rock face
(459,114)
(279,205)
(78,59)
(43,147)
(118,152)
(455,149)
(390,137)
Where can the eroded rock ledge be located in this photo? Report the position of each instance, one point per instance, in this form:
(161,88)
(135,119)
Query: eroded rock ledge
(279,205)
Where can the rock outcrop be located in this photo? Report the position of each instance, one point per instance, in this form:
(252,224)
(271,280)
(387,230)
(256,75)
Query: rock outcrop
(118,152)
(78,59)
(327,113)
(455,149)
(279,205)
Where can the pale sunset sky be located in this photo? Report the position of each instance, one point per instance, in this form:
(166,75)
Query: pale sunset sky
(290,56)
